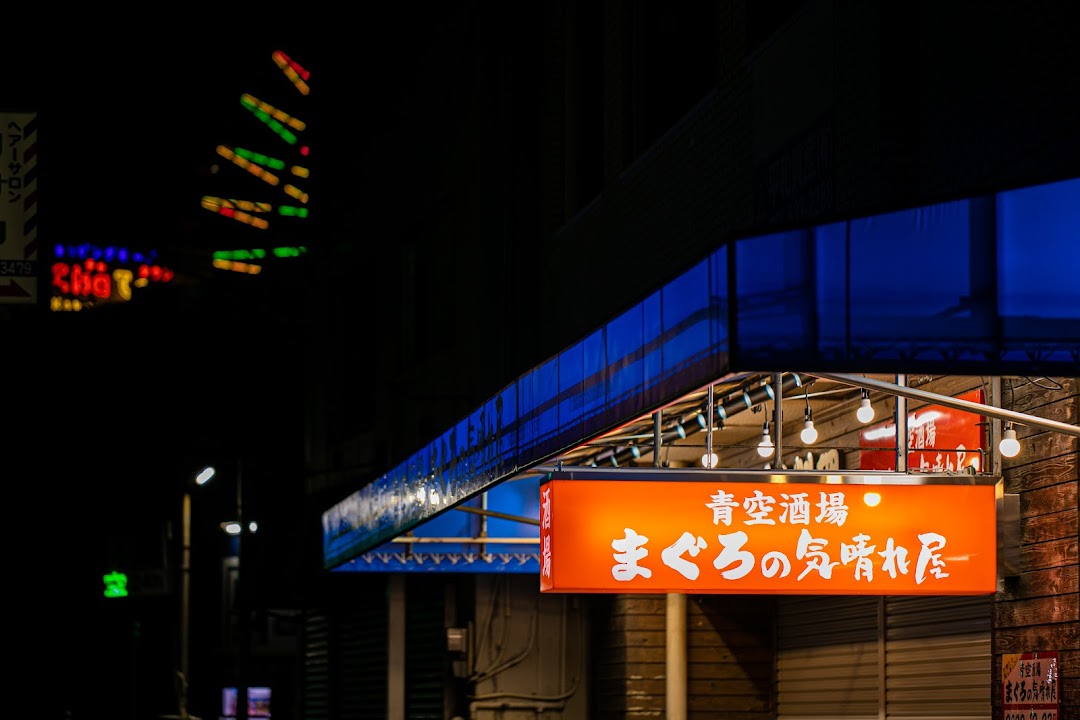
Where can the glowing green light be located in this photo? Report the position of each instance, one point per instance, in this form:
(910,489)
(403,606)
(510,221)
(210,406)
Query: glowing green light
(275,126)
(115,584)
(260,159)
(290,211)
(290,251)
(258,253)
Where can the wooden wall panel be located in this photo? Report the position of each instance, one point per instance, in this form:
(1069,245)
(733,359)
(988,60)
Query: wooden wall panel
(730,657)
(1039,610)
(629,651)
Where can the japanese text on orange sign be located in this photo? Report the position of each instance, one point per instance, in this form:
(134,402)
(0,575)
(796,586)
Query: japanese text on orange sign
(790,538)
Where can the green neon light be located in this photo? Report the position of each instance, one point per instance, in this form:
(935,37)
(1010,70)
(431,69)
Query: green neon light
(291,211)
(270,122)
(260,159)
(115,584)
(290,251)
(259,253)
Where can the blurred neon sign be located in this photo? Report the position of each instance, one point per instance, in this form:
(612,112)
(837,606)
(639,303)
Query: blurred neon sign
(265,167)
(86,275)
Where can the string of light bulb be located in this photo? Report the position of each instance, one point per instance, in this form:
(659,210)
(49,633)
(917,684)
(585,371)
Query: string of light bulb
(754,394)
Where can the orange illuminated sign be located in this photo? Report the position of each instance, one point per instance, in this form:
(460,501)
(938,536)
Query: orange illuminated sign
(792,535)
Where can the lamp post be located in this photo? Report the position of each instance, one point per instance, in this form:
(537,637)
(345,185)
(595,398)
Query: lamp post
(185,590)
(238,528)
(241,608)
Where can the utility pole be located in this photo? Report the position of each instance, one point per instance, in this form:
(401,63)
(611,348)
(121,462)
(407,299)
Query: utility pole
(241,605)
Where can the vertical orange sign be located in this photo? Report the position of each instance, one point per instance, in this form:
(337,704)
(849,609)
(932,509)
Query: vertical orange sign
(782,537)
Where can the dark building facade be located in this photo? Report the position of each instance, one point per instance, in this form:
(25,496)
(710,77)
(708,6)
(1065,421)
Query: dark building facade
(611,150)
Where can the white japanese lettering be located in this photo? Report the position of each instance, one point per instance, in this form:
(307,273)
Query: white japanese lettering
(929,555)
(630,550)
(673,555)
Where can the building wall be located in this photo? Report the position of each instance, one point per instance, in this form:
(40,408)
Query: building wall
(731,653)
(1039,609)
(849,109)
(729,657)
(839,109)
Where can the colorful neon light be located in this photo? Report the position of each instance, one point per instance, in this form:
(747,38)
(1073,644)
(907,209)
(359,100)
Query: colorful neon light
(82,283)
(260,253)
(260,159)
(275,119)
(259,164)
(229,209)
(296,74)
(267,177)
(239,267)
(297,193)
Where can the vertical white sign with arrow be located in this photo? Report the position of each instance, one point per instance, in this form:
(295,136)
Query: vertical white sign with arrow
(18,208)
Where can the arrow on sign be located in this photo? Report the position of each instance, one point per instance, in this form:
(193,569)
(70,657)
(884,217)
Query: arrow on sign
(13,289)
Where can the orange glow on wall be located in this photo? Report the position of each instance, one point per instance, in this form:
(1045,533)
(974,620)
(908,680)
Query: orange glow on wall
(702,537)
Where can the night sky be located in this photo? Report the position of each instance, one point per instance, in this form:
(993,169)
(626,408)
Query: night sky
(106,414)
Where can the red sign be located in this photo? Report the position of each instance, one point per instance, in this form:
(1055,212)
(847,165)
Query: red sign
(1030,686)
(940,439)
(88,282)
(787,536)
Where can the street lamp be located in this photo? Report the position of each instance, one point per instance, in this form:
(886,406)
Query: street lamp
(232,527)
(185,590)
(235,528)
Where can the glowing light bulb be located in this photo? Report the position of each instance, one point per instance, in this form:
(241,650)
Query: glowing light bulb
(708,460)
(809,433)
(1009,445)
(765,447)
(865,413)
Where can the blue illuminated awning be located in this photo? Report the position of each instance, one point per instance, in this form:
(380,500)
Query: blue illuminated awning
(982,286)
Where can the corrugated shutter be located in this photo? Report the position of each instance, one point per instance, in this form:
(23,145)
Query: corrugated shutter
(361,649)
(894,657)
(426,659)
(938,657)
(316,670)
(827,657)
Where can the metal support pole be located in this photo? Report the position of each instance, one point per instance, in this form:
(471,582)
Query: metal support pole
(778,420)
(901,427)
(675,695)
(395,648)
(994,455)
(242,609)
(675,621)
(185,600)
(658,438)
(709,429)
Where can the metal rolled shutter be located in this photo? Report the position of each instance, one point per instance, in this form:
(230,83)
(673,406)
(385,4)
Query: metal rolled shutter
(827,657)
(895,657)
(361,652)
(938,657)
(316,668)
(426,659)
